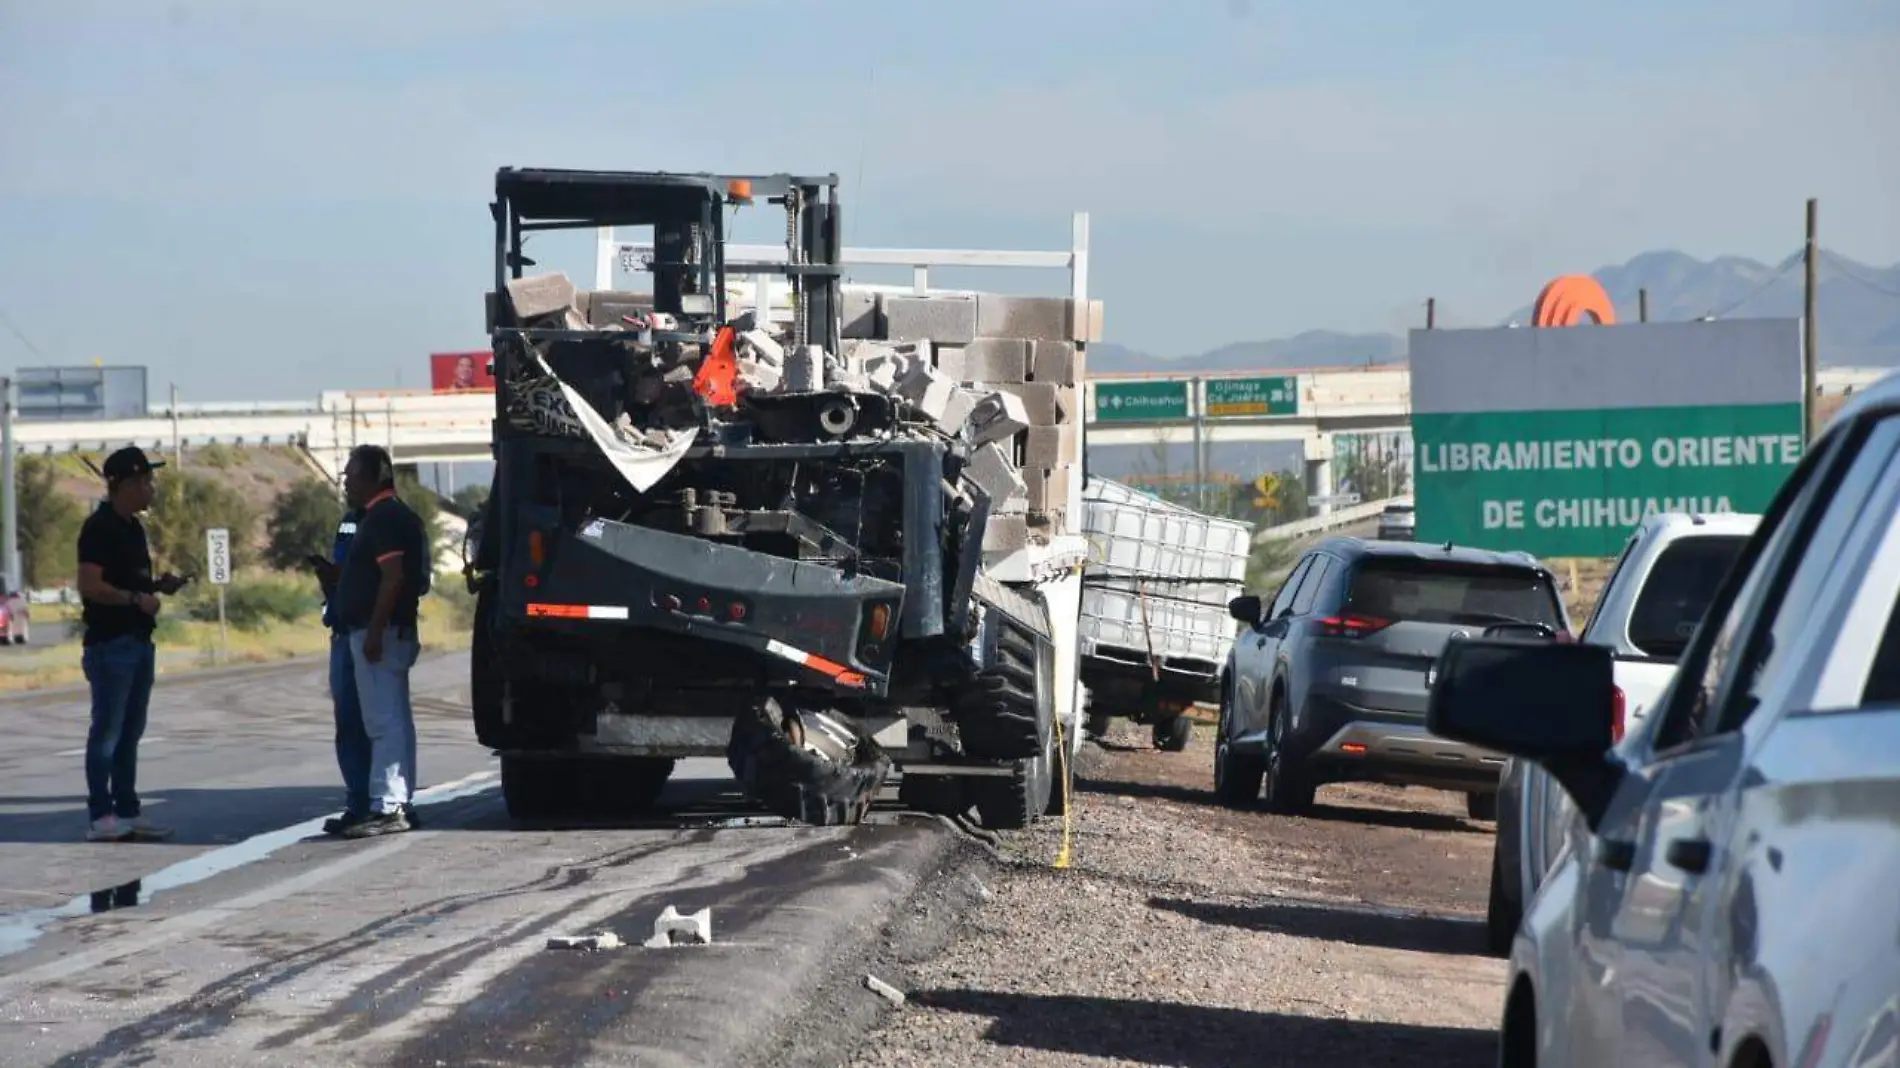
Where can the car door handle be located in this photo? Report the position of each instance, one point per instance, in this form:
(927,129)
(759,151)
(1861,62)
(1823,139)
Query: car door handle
(1690,854)
(1615,854)
(1259,643)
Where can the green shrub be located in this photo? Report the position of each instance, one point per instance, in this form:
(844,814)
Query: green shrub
(303,522)
(252,603)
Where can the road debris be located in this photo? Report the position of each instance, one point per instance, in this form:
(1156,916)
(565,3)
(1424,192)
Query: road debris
(603,940)
(673,929)
(883,989)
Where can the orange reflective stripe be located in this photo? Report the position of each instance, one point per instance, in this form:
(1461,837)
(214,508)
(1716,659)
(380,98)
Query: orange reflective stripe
(558,611)
(390,555)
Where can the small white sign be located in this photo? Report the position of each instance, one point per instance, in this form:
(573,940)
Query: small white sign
(218,556)
(1337,498)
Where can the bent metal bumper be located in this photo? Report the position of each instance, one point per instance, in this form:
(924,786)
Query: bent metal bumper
(809,616)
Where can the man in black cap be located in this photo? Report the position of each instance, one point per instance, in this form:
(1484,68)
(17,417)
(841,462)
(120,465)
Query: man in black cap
(121,609)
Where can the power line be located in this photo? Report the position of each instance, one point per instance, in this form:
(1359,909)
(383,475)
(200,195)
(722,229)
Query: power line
(1758,290)
(1841,266)
(18,333)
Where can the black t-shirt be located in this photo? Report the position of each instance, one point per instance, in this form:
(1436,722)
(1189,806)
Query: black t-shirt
(388,527)
(117,544)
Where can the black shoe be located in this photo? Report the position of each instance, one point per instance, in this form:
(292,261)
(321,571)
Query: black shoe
(409,813)
(338,824)
(377,823)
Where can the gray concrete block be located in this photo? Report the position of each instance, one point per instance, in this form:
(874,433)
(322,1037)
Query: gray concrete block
(1049,446)
(998,416)
(946,320)
(996,361)
(1006,534)
(1069,404)
(805,371)
(606,308)
(950,360)
(932,395)
(1034,318)
(1048,489)
(541,294)
(1053,362)
(860,315)
(991,471)
(956,413)
(1039,401)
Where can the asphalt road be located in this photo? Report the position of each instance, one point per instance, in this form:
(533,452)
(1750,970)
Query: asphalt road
(251,939)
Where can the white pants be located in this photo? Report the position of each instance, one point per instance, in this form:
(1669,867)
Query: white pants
(383,689)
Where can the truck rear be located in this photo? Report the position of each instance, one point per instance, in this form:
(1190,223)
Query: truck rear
(720,529)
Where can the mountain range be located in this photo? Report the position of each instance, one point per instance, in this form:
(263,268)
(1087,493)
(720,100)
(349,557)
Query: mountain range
(1857,313)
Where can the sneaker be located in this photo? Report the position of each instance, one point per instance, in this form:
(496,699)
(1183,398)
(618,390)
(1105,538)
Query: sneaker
(145,830)
(378,823)
(338,824)
(108,829)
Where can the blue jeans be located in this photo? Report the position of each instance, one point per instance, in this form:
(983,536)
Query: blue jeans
(120,671)
(352,740)
(383,689)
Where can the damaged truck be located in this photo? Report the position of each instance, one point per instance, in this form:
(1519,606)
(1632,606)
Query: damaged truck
(825,531)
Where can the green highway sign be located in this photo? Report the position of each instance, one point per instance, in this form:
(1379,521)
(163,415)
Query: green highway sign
(1558,441)
(1253,396)
(1140,402)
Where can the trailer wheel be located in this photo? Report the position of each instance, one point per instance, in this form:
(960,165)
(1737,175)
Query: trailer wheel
(1172,735)
(484,675)
(626,786)
(821,784)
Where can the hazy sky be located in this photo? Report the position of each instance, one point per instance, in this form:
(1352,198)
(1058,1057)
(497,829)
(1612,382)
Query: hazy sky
(260,200)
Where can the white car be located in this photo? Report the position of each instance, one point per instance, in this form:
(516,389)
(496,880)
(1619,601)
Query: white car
(1662,584)
(1398,522)
(1725,893)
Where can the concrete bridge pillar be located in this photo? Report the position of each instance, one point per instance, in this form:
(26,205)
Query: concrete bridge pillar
(1319,472)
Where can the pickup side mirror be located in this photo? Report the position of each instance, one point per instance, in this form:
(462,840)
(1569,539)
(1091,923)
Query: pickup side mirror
(1549,702)
(1245,608)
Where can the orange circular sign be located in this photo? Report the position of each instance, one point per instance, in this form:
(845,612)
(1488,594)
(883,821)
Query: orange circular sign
(1572,300)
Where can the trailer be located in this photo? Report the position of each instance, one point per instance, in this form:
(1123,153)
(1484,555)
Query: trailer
(830,532)
(1155,625)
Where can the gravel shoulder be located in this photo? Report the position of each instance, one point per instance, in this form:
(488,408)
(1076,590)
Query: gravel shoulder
(1182,933)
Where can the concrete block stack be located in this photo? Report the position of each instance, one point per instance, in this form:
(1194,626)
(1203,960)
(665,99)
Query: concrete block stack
(1022,358)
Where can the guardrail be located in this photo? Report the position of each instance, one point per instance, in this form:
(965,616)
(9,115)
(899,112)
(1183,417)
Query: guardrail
(1319,524)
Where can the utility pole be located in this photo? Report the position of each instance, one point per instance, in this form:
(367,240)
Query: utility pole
(1431,313)
(1642,305)
(11,522)
(1810,366)
(178,451)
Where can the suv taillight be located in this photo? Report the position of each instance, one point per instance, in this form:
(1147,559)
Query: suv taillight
(1618,709)
(1352,626)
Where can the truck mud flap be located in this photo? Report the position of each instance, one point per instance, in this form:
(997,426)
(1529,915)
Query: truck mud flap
(824,783)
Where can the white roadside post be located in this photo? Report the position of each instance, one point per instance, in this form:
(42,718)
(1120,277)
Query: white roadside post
(218,563)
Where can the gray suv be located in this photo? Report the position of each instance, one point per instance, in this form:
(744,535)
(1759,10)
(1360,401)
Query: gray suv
(1329,682)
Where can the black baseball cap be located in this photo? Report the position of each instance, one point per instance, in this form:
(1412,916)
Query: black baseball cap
(127,462)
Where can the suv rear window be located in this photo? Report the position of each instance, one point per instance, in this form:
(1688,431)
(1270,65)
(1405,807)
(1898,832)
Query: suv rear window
(1422,591)
(1677,591)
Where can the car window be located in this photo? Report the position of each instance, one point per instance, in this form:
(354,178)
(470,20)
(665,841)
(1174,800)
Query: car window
(1292,586)
(1779,573)
(1426,591)
(1883,679)
(1309,589)
(1677,591)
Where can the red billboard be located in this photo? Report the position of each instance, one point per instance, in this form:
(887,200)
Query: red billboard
(461,372)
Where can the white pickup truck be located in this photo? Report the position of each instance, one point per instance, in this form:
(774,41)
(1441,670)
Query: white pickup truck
(1648,611)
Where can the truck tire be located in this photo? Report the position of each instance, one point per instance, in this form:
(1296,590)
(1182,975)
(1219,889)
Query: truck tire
(1016,801)
(1171,735)
(538,787)
(626,786)
(792,781)
(1000,717)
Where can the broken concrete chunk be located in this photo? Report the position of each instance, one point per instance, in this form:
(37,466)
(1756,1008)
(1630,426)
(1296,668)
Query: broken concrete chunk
(759,376)
(930,392)
(603,940)
(765,347)
(541,294)
(1038,400)
(805,371)
(991,471)
(673,929)
(956,413)
(1006,534)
